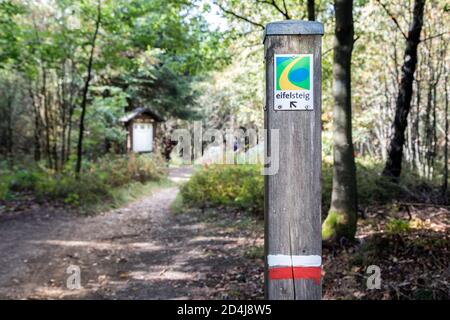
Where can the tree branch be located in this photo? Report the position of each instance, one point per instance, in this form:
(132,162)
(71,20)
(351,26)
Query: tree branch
(327,51)
(435,36)
(238,16)
(286,9)
(275,5)
(392,18)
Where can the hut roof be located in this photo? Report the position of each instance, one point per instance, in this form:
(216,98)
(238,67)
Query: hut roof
(138,111)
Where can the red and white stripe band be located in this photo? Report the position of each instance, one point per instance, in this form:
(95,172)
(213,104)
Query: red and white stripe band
(294,267)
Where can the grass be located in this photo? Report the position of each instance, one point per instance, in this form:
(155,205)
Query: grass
(120,196)
(397,226)
(107,183)
(177,206)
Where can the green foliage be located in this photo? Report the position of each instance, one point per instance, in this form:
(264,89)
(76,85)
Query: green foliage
(25,180)
(97,183)
(102,119)
(4,186)
(120,196)
(242,187)
(238,187)
(147,53)
(120,170)
(156,49)
(176,207)
(9,30)
(396,226)
(372,187)
(152,80)
(231,93)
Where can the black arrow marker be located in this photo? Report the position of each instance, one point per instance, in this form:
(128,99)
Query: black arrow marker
(293,104)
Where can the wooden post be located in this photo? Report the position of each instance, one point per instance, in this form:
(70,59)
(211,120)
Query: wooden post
(293,242)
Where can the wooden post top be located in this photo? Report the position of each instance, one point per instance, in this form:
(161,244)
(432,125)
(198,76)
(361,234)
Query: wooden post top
(293,27)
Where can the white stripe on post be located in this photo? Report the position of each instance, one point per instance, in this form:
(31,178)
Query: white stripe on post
(307,261)
(294,261)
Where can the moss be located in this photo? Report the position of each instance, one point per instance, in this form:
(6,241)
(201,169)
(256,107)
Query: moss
(397,226)
(337,226)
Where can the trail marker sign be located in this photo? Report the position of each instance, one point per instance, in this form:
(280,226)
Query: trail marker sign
(293,82)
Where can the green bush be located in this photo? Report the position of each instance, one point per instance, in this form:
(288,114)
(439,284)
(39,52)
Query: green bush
(372,186)
(4,187)
(239,187)
(90,188)
(95,183)
(25,180)
(118,171)
(242,186)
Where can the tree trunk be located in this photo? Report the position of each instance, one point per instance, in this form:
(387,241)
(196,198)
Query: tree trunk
(63,106)
(71,109)
(46,117)
(9,127)
(341,219)
(393,165)
(445,182)
(85,93)
(37,126)
(311,11)
(69,134)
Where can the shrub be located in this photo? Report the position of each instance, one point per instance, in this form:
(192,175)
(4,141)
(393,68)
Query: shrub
(242,186)
(4,186)
(372,186)
(25,180)
(96,182)
(239,187)
(122,170)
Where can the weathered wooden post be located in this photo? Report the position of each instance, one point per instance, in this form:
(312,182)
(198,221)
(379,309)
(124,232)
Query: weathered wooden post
(293,243)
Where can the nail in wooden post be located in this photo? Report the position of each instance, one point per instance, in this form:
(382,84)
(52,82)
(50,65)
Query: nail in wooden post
(293,242)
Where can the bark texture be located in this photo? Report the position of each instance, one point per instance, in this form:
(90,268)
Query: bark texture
(393,165)
(85,92)
(341,219)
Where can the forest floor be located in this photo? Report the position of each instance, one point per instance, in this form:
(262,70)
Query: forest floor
(410,243)
(146,251)
(414,263)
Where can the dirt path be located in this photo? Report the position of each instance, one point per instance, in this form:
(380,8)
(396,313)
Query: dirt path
(140,251)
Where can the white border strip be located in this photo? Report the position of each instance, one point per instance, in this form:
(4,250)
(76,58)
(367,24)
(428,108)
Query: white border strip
(282,260)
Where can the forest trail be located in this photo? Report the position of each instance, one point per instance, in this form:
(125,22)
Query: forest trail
(140,251)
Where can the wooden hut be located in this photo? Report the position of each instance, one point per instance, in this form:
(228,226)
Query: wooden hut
(142,125)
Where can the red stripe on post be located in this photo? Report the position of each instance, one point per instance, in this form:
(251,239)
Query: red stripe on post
(283,273)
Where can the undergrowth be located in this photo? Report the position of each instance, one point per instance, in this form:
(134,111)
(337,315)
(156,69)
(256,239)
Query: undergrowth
(112,178)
